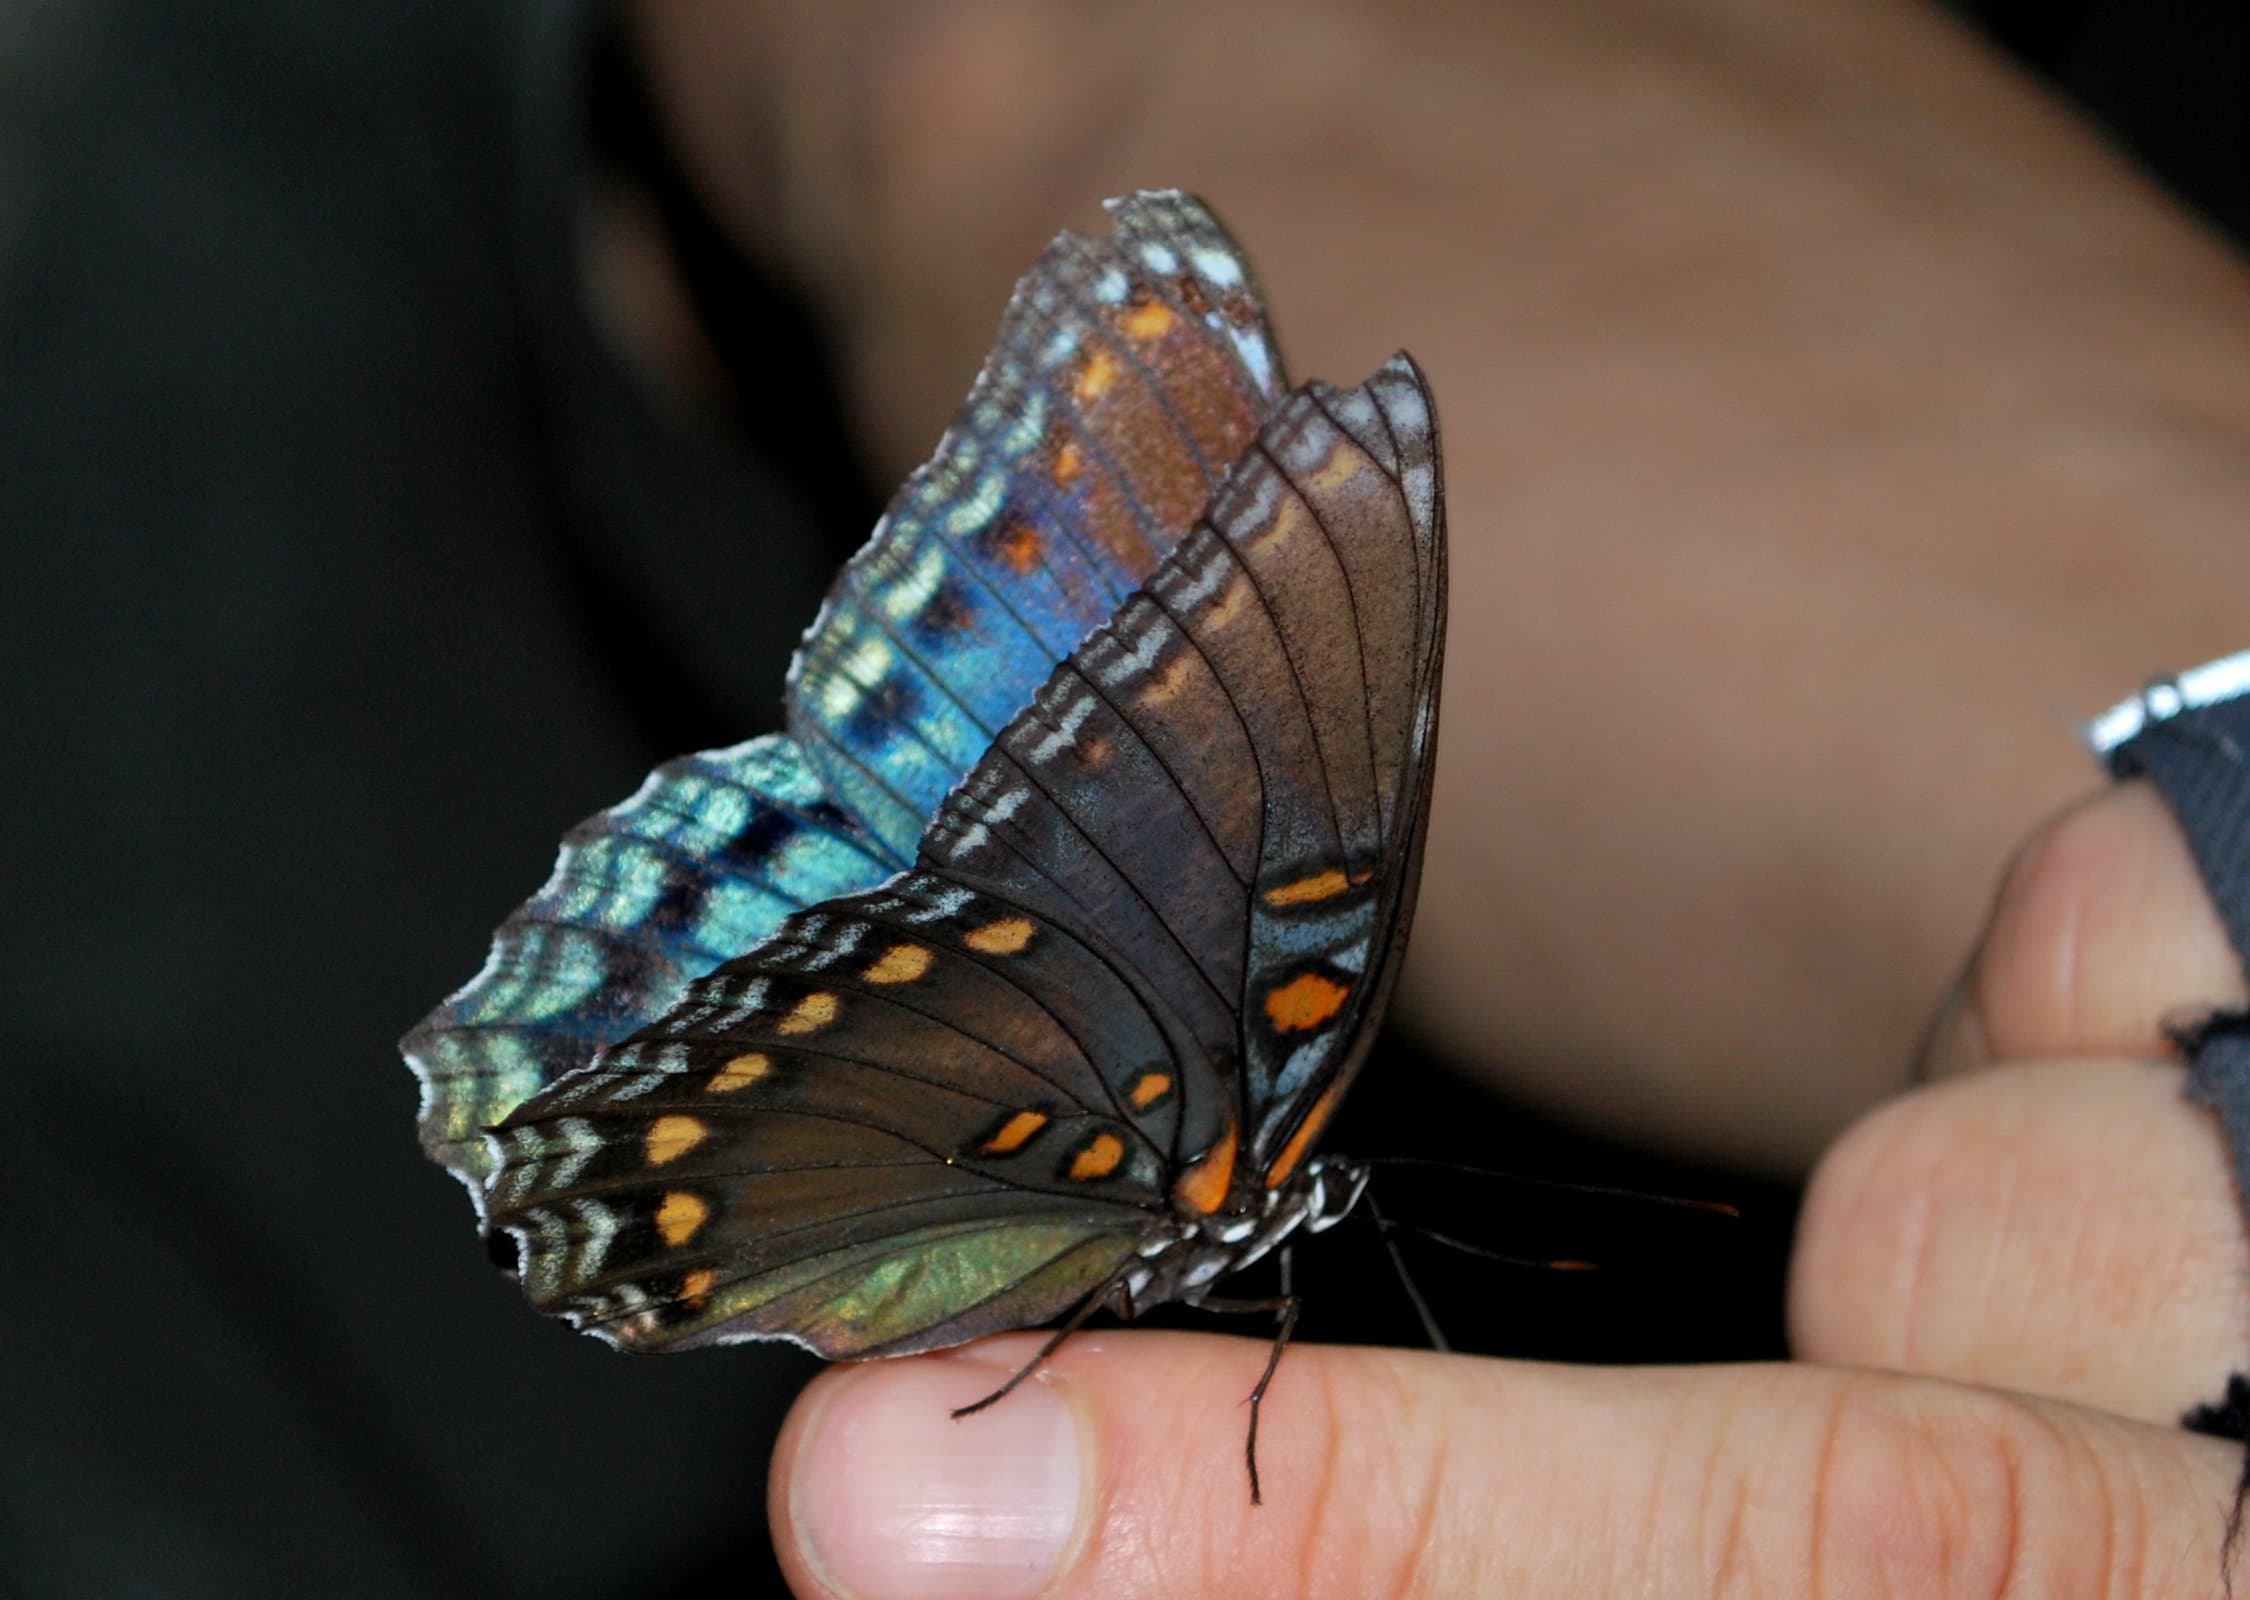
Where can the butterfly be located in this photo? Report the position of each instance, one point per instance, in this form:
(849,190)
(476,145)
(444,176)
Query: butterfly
(1020,977)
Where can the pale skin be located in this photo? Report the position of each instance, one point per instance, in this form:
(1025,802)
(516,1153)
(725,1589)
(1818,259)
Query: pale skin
(1830,422)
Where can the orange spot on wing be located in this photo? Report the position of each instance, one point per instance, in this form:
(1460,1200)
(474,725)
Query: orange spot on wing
(1022,547)
(1165,684)
(901,963)
(809,1015)
(1299,1142)
(1014,1132)
(679,1215)
(1307,891)
(1069,462)
(1149,1088)
(1305,1002)
(1007,937)
(670,1138)
(740,1073)
(695,1288)
(1099,1158)
(1096,377)
(1151,319)
(1291,521)
(1220,612)
(1203,1187)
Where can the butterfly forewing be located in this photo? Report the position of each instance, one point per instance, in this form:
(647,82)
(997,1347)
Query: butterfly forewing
(1125,369)
(1143,947)
(1129,372)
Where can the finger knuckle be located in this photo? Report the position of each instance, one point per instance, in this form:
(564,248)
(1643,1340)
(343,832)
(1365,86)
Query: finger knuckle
(1868,1234)
(1373,1519)
(1954,1495)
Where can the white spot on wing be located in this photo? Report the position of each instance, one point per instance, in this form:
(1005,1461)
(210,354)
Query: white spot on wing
(906,596)
(1065,734)
(580,1143)
(1218,266)
(979,508)
(1129,664)
(599,1224)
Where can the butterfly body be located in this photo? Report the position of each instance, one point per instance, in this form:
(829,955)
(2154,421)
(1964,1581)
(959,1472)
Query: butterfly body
(1067,996)
(1184,1258)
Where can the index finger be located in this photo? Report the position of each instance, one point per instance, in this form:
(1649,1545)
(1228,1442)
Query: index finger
(1403,1474)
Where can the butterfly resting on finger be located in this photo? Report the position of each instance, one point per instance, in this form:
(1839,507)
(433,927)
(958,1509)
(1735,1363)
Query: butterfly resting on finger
(1020,976)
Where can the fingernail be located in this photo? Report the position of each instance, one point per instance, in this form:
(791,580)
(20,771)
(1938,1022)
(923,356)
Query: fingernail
(892,1497)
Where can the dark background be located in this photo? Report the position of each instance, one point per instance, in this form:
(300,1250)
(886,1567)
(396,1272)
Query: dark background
(343,571)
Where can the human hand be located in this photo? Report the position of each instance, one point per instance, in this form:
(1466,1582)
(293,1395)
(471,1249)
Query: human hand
(1828,419)
(2041,1254)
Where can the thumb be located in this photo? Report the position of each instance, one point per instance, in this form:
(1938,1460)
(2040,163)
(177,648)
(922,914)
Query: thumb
(1119,1474)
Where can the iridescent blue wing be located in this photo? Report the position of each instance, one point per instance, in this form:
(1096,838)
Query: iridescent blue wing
(1144,945)
(1130,373)
(1125,367)
(701,864)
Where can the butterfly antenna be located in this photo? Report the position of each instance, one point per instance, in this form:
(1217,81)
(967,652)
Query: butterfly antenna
(1543,1264)
(1715,1207)
(1383,1226)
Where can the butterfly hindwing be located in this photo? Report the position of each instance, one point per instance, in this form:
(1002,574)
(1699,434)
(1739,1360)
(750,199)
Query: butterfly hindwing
(711,853)
(1227,781)
(915,1062)
(1125,367)
(1327,936)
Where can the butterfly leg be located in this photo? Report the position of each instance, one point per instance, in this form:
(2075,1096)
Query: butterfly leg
(1285,1306)
(1086,1308)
